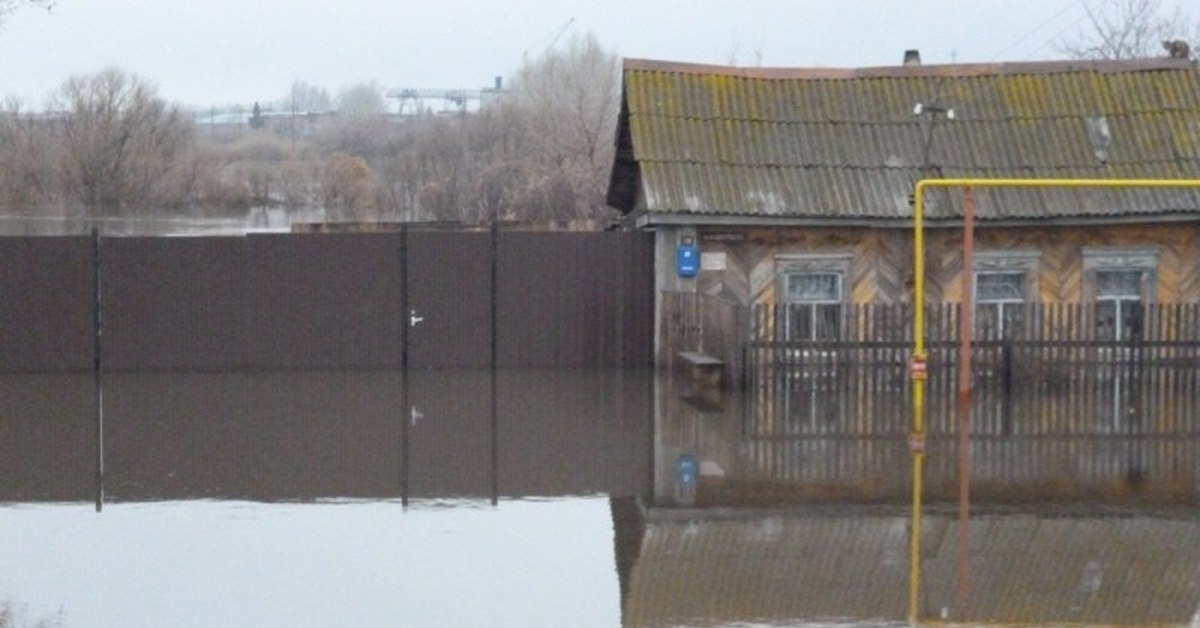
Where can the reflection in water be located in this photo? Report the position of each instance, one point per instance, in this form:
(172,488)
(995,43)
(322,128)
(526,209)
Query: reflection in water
(723,509)
(775,445)
(206,563)
(847,563)
(311,434)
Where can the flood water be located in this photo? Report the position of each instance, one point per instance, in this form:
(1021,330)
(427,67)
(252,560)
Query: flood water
(523,498)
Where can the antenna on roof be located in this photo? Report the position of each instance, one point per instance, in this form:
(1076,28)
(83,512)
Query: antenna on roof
(934,111)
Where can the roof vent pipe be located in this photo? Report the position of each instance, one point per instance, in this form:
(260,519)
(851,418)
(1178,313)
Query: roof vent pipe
(912,57)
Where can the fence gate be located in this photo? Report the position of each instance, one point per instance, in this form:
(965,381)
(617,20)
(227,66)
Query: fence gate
(449,283)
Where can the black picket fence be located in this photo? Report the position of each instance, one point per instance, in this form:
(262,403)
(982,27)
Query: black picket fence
(1063,396)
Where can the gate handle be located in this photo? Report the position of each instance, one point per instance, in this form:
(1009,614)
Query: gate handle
(413,319)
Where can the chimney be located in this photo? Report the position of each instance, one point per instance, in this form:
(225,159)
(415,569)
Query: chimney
(499,83)
(912,57)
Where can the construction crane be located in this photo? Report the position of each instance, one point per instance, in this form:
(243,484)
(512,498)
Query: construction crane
(458,97)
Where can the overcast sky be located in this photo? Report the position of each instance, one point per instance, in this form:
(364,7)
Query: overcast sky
(237,51)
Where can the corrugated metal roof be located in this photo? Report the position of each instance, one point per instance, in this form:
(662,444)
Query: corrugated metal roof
(830,143)
(1026,569)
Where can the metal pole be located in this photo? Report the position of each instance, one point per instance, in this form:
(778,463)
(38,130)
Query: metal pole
(493,364)
(97,384)
(964,406)
(406,402)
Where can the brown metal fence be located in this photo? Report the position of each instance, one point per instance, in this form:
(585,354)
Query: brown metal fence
(1061,405)
(320,301)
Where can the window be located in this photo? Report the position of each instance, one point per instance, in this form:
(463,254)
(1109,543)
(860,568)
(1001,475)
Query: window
(999,304)
(814,305)
(812,291)
(1119,282)
(1002,287)
(1118,304)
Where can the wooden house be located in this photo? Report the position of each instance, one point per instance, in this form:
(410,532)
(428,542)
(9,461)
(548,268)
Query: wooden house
(844,566)
(795,184)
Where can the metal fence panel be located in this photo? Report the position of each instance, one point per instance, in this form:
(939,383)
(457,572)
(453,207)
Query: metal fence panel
(323,301)
(328,301)
(173,303)
(46,304)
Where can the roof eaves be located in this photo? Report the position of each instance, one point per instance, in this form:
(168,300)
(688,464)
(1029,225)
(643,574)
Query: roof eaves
(642,219)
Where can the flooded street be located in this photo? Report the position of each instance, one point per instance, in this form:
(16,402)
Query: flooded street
(581,497)
(355,563)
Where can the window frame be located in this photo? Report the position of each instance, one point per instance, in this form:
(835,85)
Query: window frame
(1096,260)
(1023,262)
(787,265)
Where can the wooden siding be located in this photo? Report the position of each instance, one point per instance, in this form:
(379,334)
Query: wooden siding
(705,324)
(881,259)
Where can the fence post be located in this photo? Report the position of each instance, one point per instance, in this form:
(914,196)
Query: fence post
(97,383)
(406,414)
(495,446)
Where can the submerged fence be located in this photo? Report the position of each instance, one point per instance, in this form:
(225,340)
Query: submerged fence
(326,301)
(1073,399)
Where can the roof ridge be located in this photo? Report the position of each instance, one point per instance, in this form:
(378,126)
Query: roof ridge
(960,70)
(908,119)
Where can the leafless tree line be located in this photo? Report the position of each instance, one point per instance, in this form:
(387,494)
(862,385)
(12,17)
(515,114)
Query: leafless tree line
(1131,29)
(109,145)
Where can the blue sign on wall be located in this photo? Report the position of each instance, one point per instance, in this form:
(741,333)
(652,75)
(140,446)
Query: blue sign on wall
(686,471)
(687,260)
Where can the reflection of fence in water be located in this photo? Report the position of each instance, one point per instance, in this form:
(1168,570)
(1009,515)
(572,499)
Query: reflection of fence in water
(1058,407)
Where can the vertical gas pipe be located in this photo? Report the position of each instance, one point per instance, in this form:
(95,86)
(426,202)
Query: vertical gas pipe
(964,405)
(917,370)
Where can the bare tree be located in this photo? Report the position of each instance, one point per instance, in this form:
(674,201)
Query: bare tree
(306,98)
(1131,29)
(539,151)
(8,6)
(571,98)
(348,190)
(363,99)
(359,128)
(120,142)
(27,172)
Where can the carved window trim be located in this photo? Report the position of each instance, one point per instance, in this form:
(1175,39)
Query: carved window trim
(1144,259)
(1008,315)
(1026,262)
(813,264)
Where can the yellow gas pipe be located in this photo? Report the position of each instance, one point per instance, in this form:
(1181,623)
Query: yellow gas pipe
(917,366)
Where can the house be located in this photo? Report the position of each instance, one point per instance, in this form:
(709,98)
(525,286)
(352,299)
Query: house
(846,566)
(795,184)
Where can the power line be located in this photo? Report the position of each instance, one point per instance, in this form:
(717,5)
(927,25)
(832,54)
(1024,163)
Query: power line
(554,40)
(560,33)
(1066,7)
(1062,30)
